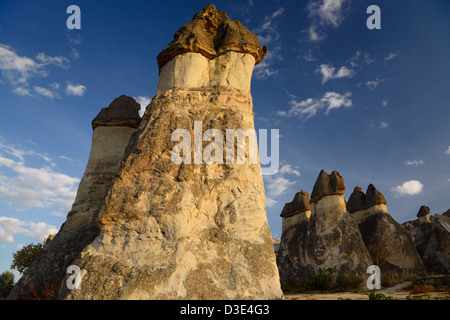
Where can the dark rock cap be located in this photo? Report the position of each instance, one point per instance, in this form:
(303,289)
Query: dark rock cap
(356,201)
(374,197)
(359,200)
(423,211)
(123,111)
(212,33)
(299,204)
(325,185)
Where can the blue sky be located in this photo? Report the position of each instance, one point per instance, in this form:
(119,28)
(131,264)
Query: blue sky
(372,104)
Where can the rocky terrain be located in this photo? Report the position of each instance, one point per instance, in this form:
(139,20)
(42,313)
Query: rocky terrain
(146,227)
(324,232)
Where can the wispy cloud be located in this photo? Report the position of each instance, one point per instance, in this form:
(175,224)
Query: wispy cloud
(144,102)
(329,72)
(372,84)
(448,150)
(268,35)
(75,89)
(9,227)
(19,71)
(383,125)
(390,56)
(266,68)
(408,188)
(276,185)
(331,100)
(324,13)
(59,61)
(414,163)
(26,187)
(44,92)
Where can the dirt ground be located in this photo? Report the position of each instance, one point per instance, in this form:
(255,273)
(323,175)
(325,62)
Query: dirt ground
(397,292)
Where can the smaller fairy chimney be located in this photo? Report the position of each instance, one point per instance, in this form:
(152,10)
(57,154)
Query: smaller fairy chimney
(296,211)
(112,127)
(424,214)
(328,193)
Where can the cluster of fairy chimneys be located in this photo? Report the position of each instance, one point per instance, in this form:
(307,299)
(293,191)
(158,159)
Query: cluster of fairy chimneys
(328,194)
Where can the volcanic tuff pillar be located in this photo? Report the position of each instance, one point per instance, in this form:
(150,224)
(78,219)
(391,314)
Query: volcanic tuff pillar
(112,128)
(330,239)
(187,231)
(389,244)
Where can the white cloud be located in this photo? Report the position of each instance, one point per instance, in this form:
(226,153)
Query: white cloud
(309,57)
(66,158)
(21,91)
(383,125)
(26,187)
(265,68)
(268,34)
(384,103)
(328,72)
(74,54)
(15,68)
(44,92)
(372,84)
(19,70)
(408,188)
(12,226)
(324,13)
(448,150)
(390,56)
(270,202)
(75,89)
(144,102)
(414,163)
(287,169)
(276,185)
(59,61)
(309,107)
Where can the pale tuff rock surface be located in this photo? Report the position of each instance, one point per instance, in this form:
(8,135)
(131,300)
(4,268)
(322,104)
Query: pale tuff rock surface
(211,33)
(329,240)
(432,240)
(113,128)
(185,231)
(387,241)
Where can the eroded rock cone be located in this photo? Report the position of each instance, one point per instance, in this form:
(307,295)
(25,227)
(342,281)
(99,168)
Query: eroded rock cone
(189,230)
(329,240)
(432,240)
(112,129)
(387,241)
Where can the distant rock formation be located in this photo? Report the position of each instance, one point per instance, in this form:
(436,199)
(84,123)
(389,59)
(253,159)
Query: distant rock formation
(389,244)
(424,214)
(112,129)
(296,210)
(431,236)
(330,239)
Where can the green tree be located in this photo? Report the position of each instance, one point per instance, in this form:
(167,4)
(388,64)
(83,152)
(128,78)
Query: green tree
(23,258)
(6,283)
